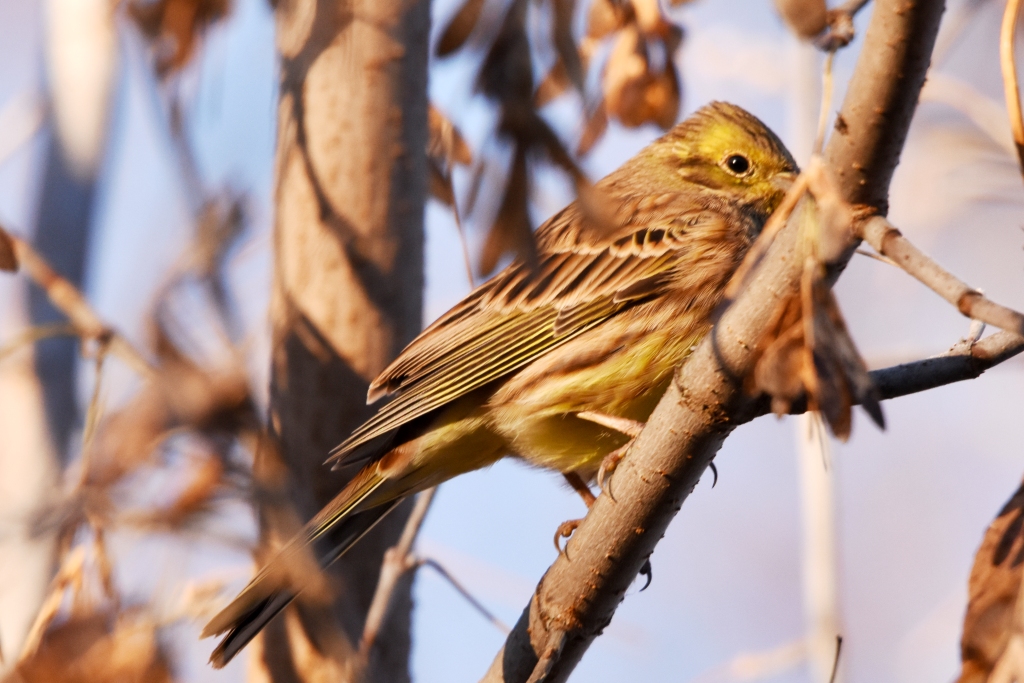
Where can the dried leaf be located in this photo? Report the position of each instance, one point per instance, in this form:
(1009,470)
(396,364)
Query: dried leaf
(459,28)
(8,256)
(807,18)
(808,351)
(445,144)
(565,44)
(511,232)
(594,129)
(440,185)
(554,85)
(606,17)
(993,636)
(99,648)
(634,93)
(174,27)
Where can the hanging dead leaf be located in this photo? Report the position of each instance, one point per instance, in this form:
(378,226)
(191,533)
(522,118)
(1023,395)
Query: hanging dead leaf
(174,27)
(806,18)
(555,84)
(808,351)
(635,93)
(511,232)
(99,648)
(607,16)
(440,185)
(593,129)
(8,255)
(459,28)
(445,144)
(992,646)
(565,43)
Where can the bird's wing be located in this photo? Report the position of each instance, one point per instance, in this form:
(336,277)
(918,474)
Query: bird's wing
(580,280)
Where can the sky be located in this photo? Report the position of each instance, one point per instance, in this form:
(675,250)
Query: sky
(911,503)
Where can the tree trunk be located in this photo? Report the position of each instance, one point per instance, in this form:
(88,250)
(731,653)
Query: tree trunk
(351,187)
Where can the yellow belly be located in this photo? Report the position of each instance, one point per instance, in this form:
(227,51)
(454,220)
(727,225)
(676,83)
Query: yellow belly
(620,369)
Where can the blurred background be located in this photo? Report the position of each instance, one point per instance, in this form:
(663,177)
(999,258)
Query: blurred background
(111,169)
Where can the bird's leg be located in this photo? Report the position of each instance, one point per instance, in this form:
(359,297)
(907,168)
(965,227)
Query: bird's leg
(565,529)
(580,487)
(623,425)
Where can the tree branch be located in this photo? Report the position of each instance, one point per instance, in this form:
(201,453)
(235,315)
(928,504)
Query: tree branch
(889,242)
(67,298)
(578,595)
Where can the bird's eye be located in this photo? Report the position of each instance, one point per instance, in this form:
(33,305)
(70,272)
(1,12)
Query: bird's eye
(738,164)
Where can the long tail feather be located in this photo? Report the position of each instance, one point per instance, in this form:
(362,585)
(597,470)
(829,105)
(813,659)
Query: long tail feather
(329,535)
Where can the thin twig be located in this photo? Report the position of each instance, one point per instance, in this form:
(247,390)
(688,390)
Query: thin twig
(1011,89)
(888,241)
(477,605)
(35,334)
(70,301)
(877,257)
(398,560)
(467,261)
(966,360)
(826,102)
(94,411)
(835,663)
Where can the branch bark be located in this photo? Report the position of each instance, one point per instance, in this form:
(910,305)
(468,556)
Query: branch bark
(578,595)
(351,187)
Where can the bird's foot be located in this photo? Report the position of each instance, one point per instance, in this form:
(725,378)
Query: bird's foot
(565,530)
(608,465)
(580,487)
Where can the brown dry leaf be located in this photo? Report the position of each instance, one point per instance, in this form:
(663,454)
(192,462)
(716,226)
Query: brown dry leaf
(993,627)
(204,482)
(174,27)
(554,85)
(8,256)
(565,43)
(445,143)
(459,27)
(807,352)
(606,17)
(634,93)
(511,232)
(593,129)
(98,648)
(441,187)
(807,18)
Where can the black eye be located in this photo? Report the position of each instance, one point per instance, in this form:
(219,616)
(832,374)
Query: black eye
(738,164)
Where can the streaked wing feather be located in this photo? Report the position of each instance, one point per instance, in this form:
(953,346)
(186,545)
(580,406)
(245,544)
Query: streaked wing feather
(521,314)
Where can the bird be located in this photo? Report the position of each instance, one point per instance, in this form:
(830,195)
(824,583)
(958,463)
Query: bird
(559,359)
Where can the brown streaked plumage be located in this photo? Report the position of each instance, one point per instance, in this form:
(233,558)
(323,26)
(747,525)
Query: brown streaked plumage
(599,324)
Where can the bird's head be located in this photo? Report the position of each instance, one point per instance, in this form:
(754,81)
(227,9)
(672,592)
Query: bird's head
(729,151)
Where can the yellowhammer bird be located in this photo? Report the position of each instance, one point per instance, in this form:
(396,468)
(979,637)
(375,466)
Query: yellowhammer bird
(595,327)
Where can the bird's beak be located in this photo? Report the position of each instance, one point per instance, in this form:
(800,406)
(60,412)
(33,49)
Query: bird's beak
(783,181)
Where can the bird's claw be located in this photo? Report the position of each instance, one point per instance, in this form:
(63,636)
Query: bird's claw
(714,471)
(608,465)
(648,572)
(565,530)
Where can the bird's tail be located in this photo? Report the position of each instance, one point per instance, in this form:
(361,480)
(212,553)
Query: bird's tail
(329,535)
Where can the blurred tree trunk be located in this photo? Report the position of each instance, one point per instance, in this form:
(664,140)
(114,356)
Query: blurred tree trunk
(351,187)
